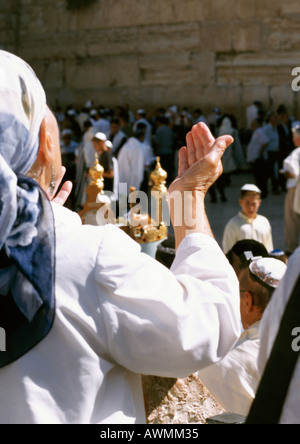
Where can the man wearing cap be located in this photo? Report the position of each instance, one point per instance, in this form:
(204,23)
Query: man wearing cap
(291,170)
(234,380)
(105,160)
(244,250)
(141,118)
(248,224)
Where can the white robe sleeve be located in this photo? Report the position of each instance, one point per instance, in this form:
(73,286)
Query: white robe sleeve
(234,380)
(162,322)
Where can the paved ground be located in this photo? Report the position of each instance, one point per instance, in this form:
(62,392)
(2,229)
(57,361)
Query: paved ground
(272,207)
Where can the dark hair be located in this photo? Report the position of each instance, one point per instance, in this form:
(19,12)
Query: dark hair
(115,120)
(261,294)
(282,109)
(165,253)
(255,247)
(141,126)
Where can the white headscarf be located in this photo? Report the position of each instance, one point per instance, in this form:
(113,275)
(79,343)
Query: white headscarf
(26,220)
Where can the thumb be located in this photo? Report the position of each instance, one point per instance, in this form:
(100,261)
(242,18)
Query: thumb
(219,147)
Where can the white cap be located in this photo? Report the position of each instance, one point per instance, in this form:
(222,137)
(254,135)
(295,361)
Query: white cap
(251,187)
(100,136)
(88,104)
(108,144)
(268,271)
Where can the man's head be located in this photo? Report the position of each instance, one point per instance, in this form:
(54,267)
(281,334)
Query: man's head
(140,131)
(114,125)
(283,114)
(99,140)
(258,282)
(273,119)
(66,136)
(250,200)
(243,251)
(140,114)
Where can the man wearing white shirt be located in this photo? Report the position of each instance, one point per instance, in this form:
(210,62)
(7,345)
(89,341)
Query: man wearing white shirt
(141,118)
(291,169)
(234,380)
(132,160)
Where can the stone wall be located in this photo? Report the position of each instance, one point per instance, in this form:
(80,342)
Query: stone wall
(148,53)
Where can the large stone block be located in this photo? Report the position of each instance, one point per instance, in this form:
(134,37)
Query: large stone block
(290,7)
(217,37)
(268,8)
(182,68)
(282,34)
(247,37)
(171,38)
(104,72)
(245,9)
(219,10)
(149,12)
(257,68)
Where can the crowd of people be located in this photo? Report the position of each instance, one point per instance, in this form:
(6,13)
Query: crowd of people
(128,144)
(86,313)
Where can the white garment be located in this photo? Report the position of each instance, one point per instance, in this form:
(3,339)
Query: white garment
(132,161)
(234,380)
(88,147)
(258,140)
(292,165)
(251,114)
(240,228)
(269,328)
(119,314)
(120,135)
(116,178)
(148,134)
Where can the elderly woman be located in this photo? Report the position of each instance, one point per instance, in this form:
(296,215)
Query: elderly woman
(84,311)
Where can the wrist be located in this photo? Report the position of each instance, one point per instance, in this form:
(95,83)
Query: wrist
(187,211)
